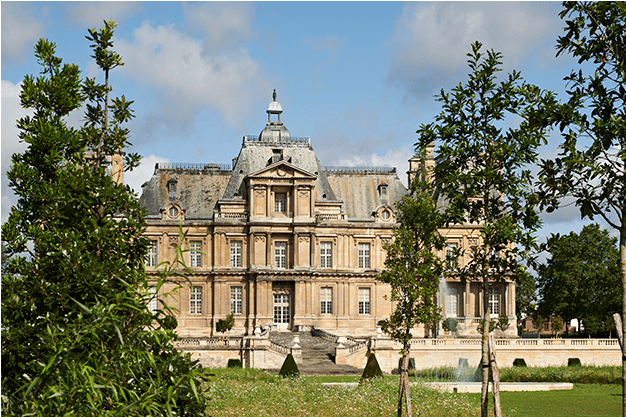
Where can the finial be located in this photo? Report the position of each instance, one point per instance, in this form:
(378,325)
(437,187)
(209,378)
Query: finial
(274,95)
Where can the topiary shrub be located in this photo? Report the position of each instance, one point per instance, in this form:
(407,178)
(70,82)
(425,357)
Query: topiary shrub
(372,369)
(411,363)
(449,325)
(573,362)
(519,362)
(225,325)
(235,363)
(289,368)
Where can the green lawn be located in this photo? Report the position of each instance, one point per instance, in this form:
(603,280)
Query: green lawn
(251,392)
(584,400)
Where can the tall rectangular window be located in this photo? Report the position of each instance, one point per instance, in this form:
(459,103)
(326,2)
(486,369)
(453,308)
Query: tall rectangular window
(195,253)
(452,302)
(280,255)
(151,300)
(451,255)
(151,257)
(236,300)
(326,254)
(364,255)
(494,301)
(280,202)
(195,300)
(326,300)
(235,254)
(364,301)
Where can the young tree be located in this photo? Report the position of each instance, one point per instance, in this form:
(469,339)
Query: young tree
(581,278)
(77,337)
(591,165)
(413,270)
(482,172)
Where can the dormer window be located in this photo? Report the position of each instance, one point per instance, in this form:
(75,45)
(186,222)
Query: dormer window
(171,185)
(172,211)
(383,189)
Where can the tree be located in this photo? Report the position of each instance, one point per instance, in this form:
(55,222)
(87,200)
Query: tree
(591,165)
(580,279)
(413,270)
(77,336)
(482,172)
(525,294)
(556,324)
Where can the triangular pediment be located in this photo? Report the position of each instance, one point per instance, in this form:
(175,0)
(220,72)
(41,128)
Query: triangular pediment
(282,169)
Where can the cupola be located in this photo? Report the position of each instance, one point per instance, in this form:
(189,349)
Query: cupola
(274,131)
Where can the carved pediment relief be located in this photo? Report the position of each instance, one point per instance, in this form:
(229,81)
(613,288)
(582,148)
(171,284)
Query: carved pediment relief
(282,169)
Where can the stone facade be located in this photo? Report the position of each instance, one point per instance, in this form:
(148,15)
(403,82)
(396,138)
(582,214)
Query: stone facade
(281,241)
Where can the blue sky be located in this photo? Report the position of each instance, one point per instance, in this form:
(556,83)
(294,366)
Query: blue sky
(358,78)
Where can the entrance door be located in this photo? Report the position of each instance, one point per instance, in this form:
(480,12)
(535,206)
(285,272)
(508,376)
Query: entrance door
(282,311)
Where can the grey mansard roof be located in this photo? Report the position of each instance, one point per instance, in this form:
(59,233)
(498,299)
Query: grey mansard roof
(198,187)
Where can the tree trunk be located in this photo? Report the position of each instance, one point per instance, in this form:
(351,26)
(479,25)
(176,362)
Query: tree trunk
(495,375)
(622,253)
(404,382)
(484,392)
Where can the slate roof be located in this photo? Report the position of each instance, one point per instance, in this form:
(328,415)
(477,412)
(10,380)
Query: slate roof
(200,186)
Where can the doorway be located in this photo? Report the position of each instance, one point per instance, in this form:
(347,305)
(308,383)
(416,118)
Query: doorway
(282,311)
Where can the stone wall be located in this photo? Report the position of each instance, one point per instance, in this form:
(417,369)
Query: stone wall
(433,353)
(259,352)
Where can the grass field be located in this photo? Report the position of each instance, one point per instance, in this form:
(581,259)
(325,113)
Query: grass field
(583,401)
(251,392)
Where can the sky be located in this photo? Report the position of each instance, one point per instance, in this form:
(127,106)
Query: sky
(358,78)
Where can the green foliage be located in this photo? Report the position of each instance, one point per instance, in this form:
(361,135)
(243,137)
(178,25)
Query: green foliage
(235,363)
(412,267)
(581,278)
(225,325)
(503,323)
(449,325)
(556,324)
(481,325)
(576,375)
(483,168)
(590,166)
(77,337)
(372,369)
(525,294)
(410,366)
(519,362)
(289,368)
(573,362)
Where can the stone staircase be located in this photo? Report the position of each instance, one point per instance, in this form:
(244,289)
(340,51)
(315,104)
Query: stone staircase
(318,354)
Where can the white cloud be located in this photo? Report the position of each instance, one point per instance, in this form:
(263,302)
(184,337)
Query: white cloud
(395,157)
(143,173)
(11,111)
(20,29)
(185,79)
(430,40)
(224,24)
(94,13)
